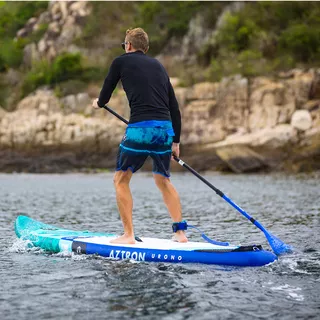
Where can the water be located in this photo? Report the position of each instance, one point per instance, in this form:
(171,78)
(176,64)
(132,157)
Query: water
(37,285)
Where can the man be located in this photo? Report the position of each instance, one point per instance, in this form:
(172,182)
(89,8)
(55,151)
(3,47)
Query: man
(153,130)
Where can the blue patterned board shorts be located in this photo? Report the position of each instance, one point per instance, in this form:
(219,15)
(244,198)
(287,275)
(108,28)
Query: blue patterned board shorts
(144,139)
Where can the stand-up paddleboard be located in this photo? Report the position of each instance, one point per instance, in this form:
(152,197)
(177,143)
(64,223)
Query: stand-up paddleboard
(54,239)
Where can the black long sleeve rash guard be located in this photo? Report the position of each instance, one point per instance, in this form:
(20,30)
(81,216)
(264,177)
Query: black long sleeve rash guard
(148,88)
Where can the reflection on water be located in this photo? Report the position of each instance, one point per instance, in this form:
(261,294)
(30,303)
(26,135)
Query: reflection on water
(68,286)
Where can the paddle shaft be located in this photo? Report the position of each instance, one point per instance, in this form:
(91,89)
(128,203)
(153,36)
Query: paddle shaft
(217,191)
(117,115)
(276,244)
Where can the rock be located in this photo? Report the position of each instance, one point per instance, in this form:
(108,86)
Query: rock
(30,54)
(65,23)
(41,101)
(54,7)
(315,114)
(13,77)
(204,90)
(234,124)
(69,103)
(174,82)
(42,46)
(181,95)
(301,86)
(52,53)
(57,18)
(76,103)
(78,6)
(83,100)
(2,113)
(195,38)
(301,120)
(271,103)
(22,33)
(271,138)
(261,150)
(311,105)
(232,103)
(31,21)
(53,29)
(63,9)
(44,17)
(278,137)
(315,89)
(241,158)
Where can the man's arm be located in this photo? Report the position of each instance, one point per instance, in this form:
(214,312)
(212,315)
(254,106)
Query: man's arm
(175,114)
(110,83)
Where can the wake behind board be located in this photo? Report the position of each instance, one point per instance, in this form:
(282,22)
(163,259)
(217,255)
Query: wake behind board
(54,239)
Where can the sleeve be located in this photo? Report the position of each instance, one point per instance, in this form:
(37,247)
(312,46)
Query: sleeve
(110,83)
(175,114)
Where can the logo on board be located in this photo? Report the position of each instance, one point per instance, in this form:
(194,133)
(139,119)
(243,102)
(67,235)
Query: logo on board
(141,256)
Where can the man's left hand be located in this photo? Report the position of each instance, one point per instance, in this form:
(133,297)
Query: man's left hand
(95,104)
(175,150)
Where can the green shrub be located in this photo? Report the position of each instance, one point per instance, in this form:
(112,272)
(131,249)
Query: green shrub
(69,87)
(67,69)
(165,19)
(14,15)
(111,18)
(11,53)
(39,75)
(237,33)
(250,63)
(301,40)
(38,34)
(64,67)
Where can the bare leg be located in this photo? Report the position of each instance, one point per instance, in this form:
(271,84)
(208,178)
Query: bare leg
(172,201)
(125,205)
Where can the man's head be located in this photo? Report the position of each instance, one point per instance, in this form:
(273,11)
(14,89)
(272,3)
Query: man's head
(136,39)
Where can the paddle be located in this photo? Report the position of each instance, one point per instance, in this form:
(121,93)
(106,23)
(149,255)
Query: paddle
(278,246)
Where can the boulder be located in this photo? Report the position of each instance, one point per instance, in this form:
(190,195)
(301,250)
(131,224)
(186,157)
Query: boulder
(42,101)
(271,103)
(75,103)
(301,120)
(301,86)
(240,158)
(232,103)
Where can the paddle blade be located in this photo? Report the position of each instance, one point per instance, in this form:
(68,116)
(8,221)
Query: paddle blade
(277,245)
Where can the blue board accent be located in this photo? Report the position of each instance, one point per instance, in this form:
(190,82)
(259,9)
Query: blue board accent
(249,258)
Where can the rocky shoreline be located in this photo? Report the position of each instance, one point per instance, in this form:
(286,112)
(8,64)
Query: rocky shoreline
(238,125)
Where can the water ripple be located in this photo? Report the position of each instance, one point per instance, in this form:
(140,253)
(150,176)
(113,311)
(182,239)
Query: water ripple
(68,286)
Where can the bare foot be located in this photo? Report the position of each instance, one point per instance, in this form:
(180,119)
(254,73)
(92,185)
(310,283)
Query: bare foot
(180,236)
(124,239)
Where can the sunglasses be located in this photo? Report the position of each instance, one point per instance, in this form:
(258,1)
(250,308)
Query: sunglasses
(123,44)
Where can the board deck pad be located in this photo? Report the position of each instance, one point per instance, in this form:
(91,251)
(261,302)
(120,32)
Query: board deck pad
(55,239)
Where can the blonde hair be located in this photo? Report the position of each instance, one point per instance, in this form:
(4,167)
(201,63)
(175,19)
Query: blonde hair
(138,38)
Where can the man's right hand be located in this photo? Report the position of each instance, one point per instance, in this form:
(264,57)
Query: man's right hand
(175,149)
(95,104)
